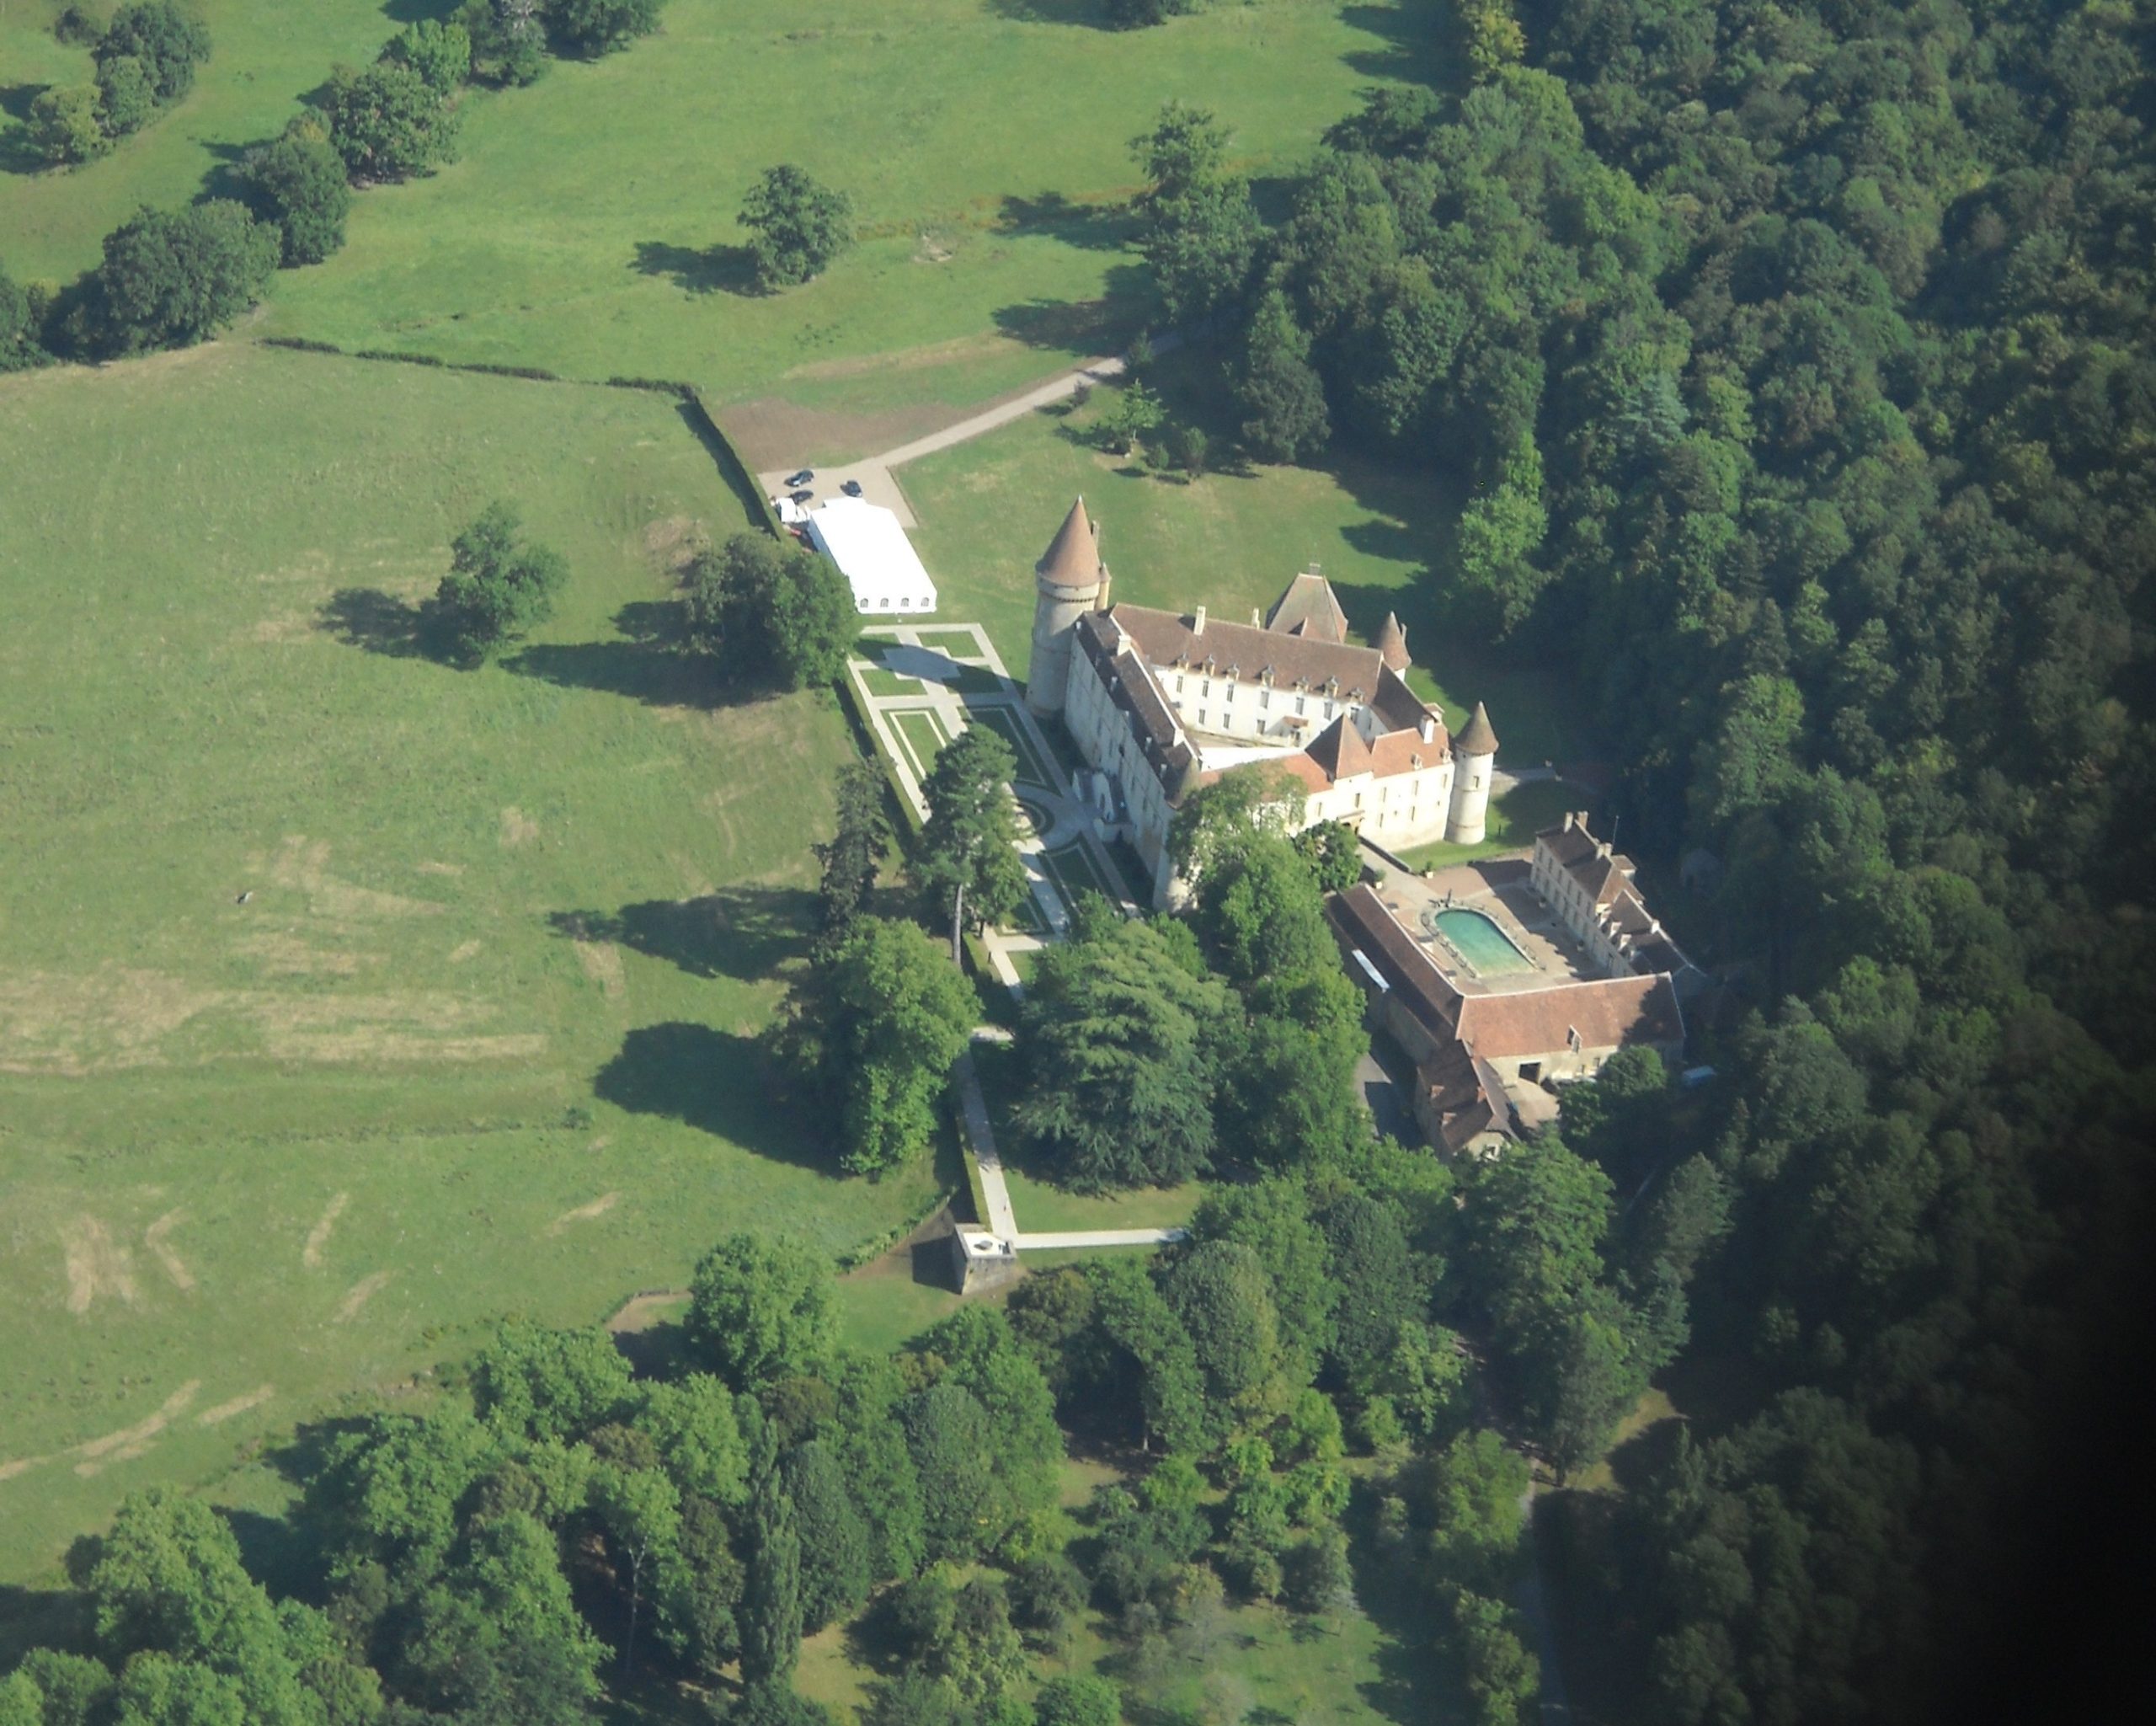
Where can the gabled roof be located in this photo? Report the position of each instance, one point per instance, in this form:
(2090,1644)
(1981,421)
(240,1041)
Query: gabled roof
(1294,661)
(1609,1012)
(1073,557)
(1309,609)
(1340,750)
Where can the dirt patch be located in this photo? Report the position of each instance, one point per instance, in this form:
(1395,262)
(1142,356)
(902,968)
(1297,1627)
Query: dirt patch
(438,868)
(420,1026)
(462,951)
(114,1017)
(333,1046)
(238,1405)
(360,1293)
(517,828)
(671,541)
(21,1465)
(288,956)
(317,1237)
(302,865)
(585,1213)
(95,1265)
(602,963)
(289,627)
(132,1441)
(175,1267)
(642,1312)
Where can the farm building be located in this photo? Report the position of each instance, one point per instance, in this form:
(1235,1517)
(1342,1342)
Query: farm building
(873,553)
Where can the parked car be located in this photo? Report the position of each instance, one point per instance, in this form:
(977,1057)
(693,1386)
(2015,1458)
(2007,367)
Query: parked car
(852,488)
(801,479)
(801,496)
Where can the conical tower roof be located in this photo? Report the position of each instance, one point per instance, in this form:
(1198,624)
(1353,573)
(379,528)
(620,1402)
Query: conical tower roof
(1392,644)
(1479,738)
(1073,558)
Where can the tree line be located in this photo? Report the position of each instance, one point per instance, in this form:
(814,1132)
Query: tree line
(1793,367)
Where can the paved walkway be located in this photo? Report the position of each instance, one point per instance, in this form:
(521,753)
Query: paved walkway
(879,485)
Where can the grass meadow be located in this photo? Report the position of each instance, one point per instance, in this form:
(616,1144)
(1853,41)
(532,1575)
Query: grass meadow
(1228,540)
(588,224)
(480,1040)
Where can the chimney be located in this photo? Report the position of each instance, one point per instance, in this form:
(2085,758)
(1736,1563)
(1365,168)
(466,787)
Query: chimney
(1429,729)
(1198,627)
(1602,848)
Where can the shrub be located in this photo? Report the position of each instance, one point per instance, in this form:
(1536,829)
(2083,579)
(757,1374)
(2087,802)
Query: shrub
(78,26)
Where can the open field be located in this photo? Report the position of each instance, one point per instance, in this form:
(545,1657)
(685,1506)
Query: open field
(478,1041)
(1229,541)
(587,226)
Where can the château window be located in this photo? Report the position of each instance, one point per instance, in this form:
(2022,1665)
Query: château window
(1299,704)
(1265,698)
(1328,710)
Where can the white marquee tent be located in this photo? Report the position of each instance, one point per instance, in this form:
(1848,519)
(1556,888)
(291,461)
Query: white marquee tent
(875,556)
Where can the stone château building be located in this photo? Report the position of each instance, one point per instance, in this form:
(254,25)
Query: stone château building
(1160,703)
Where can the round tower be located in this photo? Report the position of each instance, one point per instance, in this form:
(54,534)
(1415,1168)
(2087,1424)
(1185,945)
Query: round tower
(1068,583)
(1474,760)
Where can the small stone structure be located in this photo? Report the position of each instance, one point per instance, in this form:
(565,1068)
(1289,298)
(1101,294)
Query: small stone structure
(982,1261)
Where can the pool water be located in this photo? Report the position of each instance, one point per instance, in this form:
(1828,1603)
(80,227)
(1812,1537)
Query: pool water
(1479,940)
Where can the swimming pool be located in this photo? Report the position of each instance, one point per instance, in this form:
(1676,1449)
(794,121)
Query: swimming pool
(1476,938)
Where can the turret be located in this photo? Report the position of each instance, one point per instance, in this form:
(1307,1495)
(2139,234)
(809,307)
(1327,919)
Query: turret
(1070,580)
(1392,645)
(1473,761)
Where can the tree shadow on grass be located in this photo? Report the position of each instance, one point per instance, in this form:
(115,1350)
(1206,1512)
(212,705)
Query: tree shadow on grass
(18,155)
(1092,13)
(380,622)
(282,1553)
(225,179)
(1103,326)
(708,269)
(713,1081)
(650,673)
(41,1617)
(1421,38)
(738,932)
(1102,228)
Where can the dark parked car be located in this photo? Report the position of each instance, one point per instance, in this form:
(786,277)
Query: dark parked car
(801,479)
(801,496)
(852,488)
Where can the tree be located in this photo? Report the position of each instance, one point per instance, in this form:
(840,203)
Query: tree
(1077,1699)
(796,226)
(774,1703)
(1378,1289)
(441,53)
(1262,911)
(387,1492)
(168,41)
(759,1308)
(19,318)
(700,1591)
(835,1555)
(1200,231)
(509,39)
(640,1511)
(771,1604)
(764,609)
(595,27)
(497,588)
(870,1444)
(64,124)
(550,1385)
(1499,532)
(1131,419)
(170,279)
(691,1421)
(1217,1290)
(298,183)
(1333,854)
(968,852)
(127,101)
(388,123)
(1216,822)
(1140,1329)
(852,855)
(1120,1047)
(1272,1217)
(947,1432)
(498,1642)
(1282,398)
(1138,15)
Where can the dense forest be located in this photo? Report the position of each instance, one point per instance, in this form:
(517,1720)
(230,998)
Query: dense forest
(1796,362)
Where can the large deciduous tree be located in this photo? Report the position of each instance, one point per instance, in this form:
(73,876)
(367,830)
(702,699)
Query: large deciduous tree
(173,278)
(1121,1047)
(387,122)
(169,40)
(298,183)
(796,226)
(497,587)
(761,1309)
(600,26)
(766,611)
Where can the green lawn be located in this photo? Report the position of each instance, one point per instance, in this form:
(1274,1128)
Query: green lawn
(1514,819)
(1229,541)
(588,224)
(480,1040)
(265,55)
